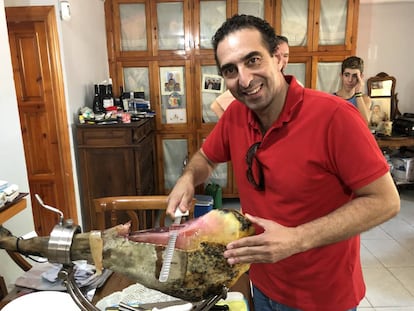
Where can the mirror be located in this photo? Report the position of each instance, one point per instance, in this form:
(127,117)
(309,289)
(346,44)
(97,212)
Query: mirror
(381,89)
(381,85)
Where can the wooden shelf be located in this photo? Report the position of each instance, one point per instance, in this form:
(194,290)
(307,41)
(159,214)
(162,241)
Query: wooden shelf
(12,210)
(395,142)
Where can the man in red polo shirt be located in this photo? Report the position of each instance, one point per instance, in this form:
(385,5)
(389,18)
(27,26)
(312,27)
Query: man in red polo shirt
(309,172)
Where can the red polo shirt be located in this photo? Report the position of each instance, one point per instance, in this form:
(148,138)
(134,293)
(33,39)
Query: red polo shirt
(316,153)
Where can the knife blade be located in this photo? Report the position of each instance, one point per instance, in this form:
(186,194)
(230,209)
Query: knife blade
(169,250)
(150,306)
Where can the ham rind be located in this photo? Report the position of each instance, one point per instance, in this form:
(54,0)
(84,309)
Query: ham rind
(217,226)
(198,268)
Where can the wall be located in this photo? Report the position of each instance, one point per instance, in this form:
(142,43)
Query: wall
(385,43)
(12,162)
(84,61)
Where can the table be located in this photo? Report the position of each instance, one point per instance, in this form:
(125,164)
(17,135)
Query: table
(117,282)
(6,213)
(395,142)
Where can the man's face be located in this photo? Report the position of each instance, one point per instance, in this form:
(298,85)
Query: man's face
(350,78)
(283,53)
(250,72)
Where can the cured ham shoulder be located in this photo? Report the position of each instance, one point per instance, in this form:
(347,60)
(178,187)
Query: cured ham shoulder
(198,268)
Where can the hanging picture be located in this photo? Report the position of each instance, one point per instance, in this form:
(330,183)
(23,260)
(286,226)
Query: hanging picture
(176,115)
(212,83)
(174,100)
(171,80)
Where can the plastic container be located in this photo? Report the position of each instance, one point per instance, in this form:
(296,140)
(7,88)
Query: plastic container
(204,204)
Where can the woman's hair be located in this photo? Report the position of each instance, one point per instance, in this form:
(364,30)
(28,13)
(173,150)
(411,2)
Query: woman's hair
(238,22)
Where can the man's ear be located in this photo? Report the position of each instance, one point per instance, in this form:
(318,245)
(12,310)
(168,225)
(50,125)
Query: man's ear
(277,56)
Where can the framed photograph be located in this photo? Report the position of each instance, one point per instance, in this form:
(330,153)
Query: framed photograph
(172,80)
(178,115)
(380,113)
(212,83)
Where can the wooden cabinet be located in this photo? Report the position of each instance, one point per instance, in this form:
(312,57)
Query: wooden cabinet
(115,160)
(164,47)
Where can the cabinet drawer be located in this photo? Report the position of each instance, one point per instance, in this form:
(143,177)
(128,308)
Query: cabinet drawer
(140,133)
(105,137)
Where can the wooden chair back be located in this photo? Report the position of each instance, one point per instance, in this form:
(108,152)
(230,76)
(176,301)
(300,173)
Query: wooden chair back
(144,212)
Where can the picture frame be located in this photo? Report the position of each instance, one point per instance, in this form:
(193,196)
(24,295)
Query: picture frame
(381,90)
(176,115)
(172,80)
(212,83)
(380,113)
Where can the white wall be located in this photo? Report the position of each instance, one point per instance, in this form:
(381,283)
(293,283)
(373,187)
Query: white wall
(385,43)
(84,61)
(12,162)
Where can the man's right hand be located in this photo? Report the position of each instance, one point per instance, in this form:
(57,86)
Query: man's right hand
(181,196)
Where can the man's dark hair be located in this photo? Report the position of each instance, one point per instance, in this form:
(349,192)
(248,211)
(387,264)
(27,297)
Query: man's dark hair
(238,22)
(282,38)
(353,62)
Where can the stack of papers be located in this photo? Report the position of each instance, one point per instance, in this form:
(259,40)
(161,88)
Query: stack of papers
(44,276)
(8,192)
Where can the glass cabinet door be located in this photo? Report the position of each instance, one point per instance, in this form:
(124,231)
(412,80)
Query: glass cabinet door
(298,70)
(175,154)
(208,16)
(209,94)
(251,7)
(295,23)
(131,29)
(136,79)
(170,26)
(336,25)
(328,76)
(212,15)
(332,25)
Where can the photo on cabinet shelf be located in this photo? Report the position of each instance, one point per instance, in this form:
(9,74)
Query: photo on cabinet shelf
(171,80)
(213,83)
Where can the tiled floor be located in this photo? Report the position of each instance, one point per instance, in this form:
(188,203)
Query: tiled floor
(387,254)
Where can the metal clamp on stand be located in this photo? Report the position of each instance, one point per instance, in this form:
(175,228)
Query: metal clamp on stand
(58,251)
(67,275)
(60,241)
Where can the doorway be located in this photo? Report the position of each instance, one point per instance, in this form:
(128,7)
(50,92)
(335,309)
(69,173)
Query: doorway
(38,78)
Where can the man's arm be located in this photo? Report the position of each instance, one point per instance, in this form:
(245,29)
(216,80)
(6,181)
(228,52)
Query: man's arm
(363,102)
(198,169)
(374,204)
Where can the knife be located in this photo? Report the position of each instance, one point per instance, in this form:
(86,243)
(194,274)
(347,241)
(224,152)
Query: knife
(169,250)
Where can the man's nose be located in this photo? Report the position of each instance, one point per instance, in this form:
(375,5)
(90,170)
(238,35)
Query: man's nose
(245,77)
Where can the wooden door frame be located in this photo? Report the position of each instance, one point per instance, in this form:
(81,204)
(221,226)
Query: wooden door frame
(46,15)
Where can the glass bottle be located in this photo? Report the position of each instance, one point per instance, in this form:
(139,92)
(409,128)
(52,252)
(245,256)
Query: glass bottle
(96,104)
(120,103)
(108,100)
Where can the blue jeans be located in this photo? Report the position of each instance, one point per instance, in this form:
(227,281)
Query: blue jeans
(263,303)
